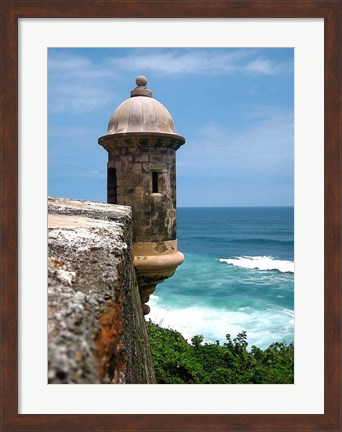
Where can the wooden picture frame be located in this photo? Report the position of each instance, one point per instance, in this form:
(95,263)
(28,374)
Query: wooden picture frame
(12,10)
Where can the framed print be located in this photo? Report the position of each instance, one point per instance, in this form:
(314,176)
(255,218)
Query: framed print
(312,30)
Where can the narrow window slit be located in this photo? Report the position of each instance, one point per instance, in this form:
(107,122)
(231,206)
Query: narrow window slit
(155,178)
(111,186)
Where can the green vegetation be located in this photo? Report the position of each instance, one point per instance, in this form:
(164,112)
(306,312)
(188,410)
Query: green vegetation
(178,362)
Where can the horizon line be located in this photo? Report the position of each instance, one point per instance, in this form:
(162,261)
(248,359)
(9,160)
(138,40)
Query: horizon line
(237,206)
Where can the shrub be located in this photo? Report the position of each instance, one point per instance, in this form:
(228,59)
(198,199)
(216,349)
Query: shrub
(178,362)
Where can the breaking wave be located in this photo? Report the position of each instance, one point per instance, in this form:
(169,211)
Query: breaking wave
(263,327)
(260,263)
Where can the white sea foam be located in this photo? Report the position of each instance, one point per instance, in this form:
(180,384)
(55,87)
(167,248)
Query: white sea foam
(263,327)
(260,263)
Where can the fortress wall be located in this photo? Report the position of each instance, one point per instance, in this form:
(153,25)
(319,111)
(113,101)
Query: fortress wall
(96,326)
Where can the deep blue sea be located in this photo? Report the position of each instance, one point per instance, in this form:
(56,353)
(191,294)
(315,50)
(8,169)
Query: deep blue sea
(238,274)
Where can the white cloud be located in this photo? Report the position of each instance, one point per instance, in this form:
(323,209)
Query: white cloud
(89,174)
(76,84)
(80,84)
(264,143)
(263,66)
(77,96)
(76,66)
(176,62)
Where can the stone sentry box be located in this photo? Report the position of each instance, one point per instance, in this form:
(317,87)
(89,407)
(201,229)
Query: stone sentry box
(141,142)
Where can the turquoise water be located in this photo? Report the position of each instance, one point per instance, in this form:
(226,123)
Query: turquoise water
(238,275)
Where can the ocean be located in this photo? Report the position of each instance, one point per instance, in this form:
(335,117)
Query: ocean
(238,274)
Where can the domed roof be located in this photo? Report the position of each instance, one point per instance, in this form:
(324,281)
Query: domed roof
(141,113)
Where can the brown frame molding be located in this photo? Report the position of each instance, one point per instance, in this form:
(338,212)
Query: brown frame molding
(11,11)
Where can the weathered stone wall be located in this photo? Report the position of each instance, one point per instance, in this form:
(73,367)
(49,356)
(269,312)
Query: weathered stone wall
(97,330)
(135,159)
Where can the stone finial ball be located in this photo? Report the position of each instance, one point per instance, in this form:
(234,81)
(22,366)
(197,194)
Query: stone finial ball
(141,81)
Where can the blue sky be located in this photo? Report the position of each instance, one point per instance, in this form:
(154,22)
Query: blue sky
(233,106)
